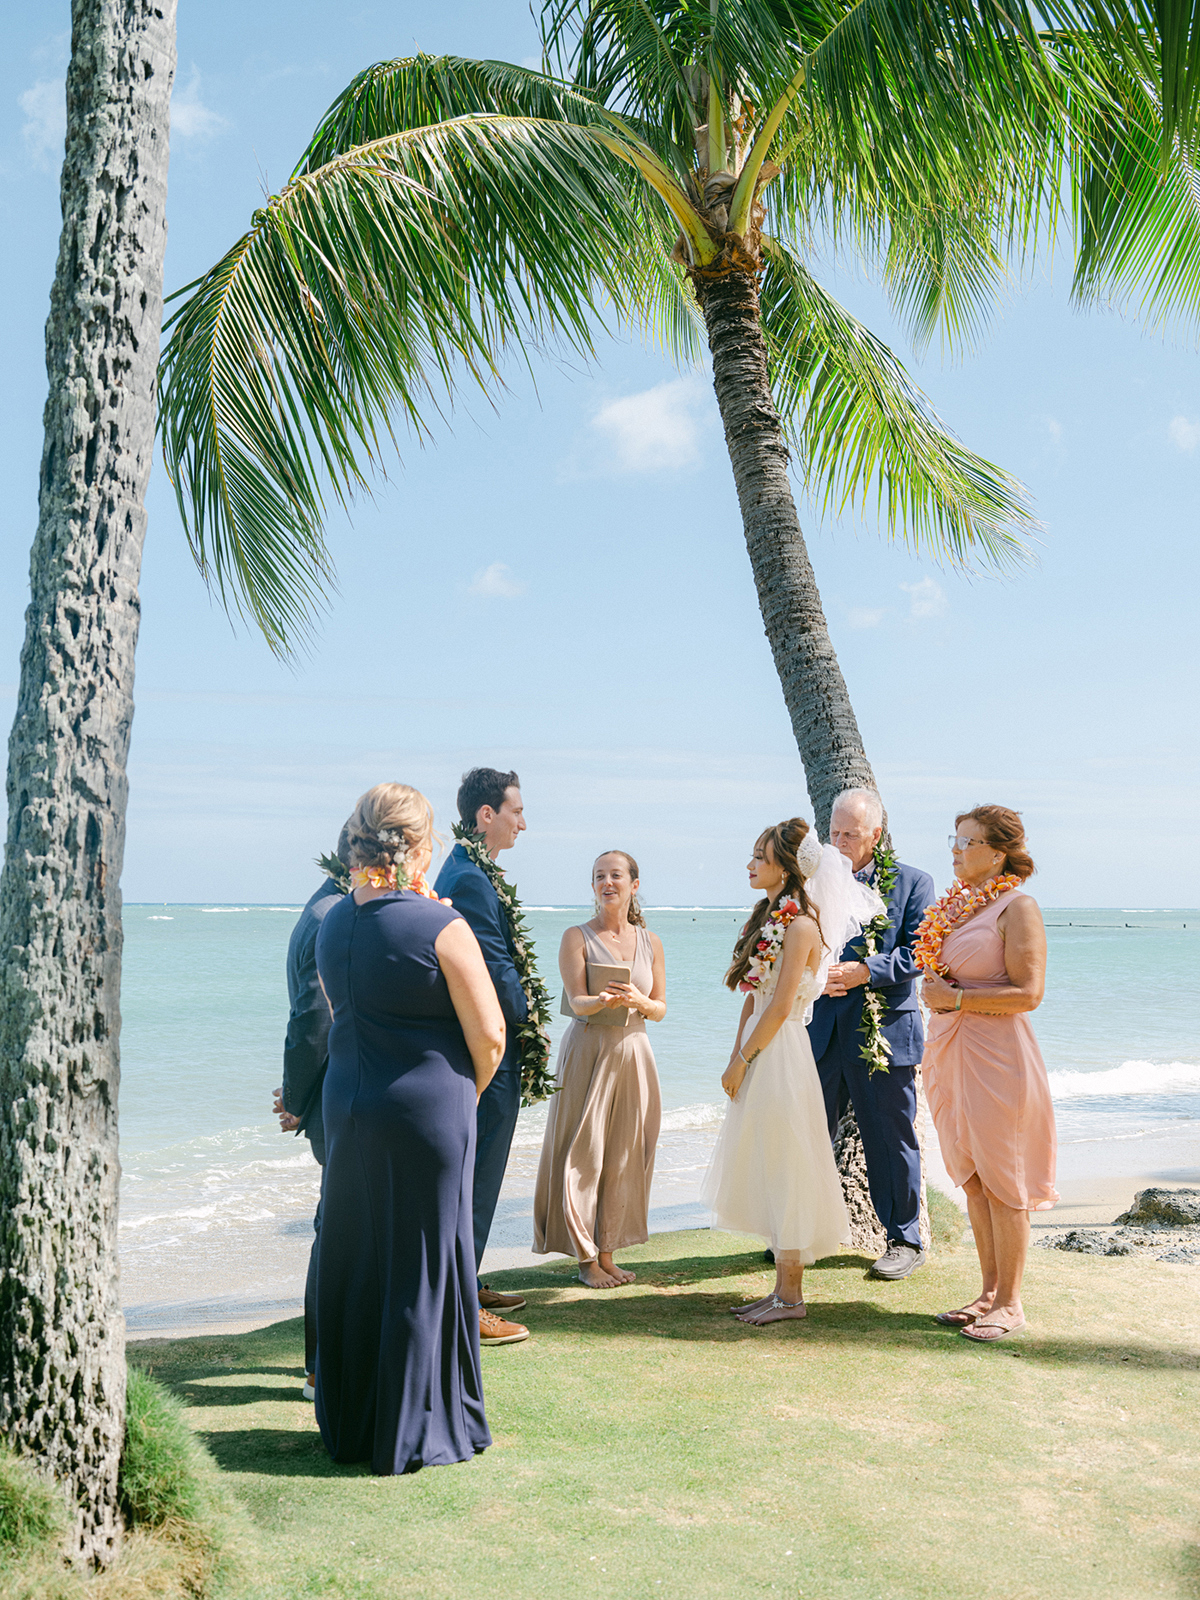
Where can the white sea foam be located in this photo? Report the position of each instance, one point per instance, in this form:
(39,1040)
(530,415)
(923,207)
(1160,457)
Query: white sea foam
(1131,1078)
(214,910)
(160,919)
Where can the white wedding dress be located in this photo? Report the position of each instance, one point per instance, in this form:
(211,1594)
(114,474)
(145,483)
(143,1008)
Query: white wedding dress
(772,1172)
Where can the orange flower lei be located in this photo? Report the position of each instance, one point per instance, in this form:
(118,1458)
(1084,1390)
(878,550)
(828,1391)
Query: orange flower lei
(958,903)
(389,878)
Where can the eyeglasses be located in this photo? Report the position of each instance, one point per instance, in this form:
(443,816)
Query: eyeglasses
(957,842)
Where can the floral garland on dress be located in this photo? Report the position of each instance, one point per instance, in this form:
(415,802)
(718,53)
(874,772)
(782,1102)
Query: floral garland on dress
(959,902)
(875,1049)
(770,943)
(533,1035)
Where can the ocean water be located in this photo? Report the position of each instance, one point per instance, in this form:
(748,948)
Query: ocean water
(216,1204)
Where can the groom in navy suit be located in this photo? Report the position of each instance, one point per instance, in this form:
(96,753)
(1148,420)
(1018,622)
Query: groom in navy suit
(489,803)
(885,1103)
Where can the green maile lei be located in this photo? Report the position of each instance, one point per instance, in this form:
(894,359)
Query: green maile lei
(533,1035)
(875,1049)
(337,871)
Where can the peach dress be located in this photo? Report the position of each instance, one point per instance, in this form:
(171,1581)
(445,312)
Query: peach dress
(986,1081)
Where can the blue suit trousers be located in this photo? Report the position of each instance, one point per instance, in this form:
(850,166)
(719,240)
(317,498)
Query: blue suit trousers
(495,1123)
(885,1107)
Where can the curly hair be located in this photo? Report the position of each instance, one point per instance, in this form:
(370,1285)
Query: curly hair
(783,841)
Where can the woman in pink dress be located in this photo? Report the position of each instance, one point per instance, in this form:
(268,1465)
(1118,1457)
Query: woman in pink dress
(983,948)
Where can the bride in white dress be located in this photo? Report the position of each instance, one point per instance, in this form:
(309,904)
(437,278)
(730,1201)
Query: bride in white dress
(772,1172)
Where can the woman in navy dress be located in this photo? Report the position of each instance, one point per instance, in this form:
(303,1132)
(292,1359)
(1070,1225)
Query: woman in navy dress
(417,1034)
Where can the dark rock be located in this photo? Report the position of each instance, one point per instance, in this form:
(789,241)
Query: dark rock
(1180,1252)
(1081,1240)
(1163,1208)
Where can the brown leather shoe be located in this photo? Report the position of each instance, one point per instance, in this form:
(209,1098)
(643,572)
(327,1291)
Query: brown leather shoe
(494,1330)
(493,1300)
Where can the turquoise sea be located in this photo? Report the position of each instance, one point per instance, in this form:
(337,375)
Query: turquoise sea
(216,1203)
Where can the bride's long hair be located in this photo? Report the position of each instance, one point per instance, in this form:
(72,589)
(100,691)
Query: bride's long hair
(785,838)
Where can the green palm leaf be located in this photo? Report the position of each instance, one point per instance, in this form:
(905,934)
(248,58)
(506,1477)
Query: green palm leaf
(390,273)
(1138,223)
(862,429)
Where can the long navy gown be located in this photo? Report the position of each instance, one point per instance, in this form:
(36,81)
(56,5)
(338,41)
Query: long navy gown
(398,1376)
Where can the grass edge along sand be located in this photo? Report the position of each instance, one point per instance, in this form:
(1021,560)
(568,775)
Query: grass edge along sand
(648,1444)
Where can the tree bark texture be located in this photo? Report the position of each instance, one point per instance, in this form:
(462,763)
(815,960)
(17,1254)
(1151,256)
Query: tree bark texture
(62,1340)
(814,690)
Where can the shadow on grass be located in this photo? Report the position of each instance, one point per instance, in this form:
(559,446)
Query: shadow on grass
(275,1452)
(705,1318)
(199,1394)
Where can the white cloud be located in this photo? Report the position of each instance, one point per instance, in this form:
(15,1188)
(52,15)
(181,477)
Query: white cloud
(190,117)
(657,430)
(497,583)
(865,617)
(925,599)
(1054,429)
(45,127)
(1184,435)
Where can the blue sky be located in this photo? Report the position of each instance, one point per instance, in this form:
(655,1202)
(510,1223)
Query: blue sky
(560,584)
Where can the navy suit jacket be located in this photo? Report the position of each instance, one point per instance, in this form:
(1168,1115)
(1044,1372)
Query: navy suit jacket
(306,1046)
(471,892)
(893,975)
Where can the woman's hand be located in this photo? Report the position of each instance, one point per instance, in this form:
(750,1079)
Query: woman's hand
(628,995)
(734,1075)
(610,997)
(937,994)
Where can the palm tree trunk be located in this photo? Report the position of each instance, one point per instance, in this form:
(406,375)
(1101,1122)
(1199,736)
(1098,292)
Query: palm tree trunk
(814,690)
(62,1336)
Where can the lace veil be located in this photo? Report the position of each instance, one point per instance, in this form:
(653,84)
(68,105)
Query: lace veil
(845,905)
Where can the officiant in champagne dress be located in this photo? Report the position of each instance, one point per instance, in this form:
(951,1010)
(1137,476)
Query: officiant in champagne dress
(593,1185)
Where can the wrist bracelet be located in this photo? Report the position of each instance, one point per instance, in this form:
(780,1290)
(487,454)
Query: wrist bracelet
(958,1002)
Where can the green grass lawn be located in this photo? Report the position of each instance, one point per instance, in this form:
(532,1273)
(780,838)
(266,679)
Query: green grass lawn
(648,1444)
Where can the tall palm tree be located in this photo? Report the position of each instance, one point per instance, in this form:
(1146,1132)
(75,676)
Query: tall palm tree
(62,1340)
(724,136)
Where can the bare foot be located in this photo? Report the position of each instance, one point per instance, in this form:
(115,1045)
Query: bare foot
(774,1310)
(607,1264)
(751,1305)
(593,1277)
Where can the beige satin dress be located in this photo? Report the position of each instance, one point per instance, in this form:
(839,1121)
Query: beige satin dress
(985,1079)
(593,1184)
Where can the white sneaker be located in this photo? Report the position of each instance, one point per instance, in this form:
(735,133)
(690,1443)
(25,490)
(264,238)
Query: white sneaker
(309,1390)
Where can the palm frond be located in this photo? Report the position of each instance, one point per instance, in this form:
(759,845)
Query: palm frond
(398,269)
(1138,223)
(862,430)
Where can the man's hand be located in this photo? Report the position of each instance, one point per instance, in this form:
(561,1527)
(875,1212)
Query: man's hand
(287,1122)
(846,975)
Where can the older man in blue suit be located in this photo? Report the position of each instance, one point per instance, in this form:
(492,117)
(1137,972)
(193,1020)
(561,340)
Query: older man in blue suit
(885,1103)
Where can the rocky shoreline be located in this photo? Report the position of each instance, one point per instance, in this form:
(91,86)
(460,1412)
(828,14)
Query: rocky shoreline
(1161,1223)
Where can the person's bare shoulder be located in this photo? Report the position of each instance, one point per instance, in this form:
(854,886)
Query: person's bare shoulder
(802,932)
(1021,912)
(572,939)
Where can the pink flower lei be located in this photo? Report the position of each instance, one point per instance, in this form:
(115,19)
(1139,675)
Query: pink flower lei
(770,943)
